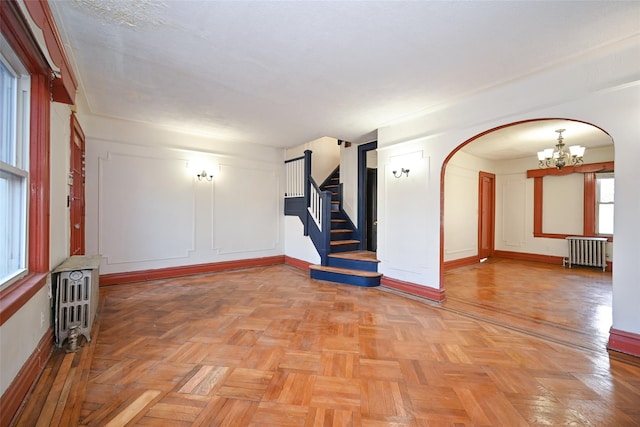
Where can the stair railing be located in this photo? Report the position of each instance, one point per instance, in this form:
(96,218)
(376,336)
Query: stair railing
(295,177)
(304,198)
(319,210)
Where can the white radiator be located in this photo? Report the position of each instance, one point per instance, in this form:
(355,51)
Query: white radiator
(76,296)
(589,251)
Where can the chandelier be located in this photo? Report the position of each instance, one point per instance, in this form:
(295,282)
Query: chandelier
(560,157)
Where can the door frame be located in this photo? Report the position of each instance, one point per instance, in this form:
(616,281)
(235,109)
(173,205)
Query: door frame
(76,196)
(492,215)
(362,191)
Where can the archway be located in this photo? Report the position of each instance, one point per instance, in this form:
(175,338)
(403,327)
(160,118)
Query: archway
(508,152)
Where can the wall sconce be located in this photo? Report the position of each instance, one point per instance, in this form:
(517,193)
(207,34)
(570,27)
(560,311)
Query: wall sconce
(399,174)
(204,175)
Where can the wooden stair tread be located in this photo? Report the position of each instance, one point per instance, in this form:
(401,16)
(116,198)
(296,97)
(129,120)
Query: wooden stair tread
(344,242)
(356,255)
(338,220)
(341,230)
(347,271)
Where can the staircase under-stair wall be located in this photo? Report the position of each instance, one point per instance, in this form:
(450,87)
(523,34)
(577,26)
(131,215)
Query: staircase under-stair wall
(343,260)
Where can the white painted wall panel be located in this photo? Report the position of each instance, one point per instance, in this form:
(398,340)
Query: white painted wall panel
(246,210)
(513,212)
(60,158)
(296,244)
(563,204)
(147,209)
(461,213)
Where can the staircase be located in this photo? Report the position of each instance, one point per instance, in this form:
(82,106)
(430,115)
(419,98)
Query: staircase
(345,263)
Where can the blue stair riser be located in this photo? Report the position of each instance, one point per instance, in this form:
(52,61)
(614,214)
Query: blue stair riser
(344,248)
(330,276)
(352,264)
(342,235)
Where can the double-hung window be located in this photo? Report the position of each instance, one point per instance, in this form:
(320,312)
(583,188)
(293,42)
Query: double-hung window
(604,203)
(14,166)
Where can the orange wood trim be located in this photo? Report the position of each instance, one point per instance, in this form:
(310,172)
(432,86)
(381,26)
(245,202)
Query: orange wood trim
(537,206)
(187,270)
(589,221)
(17,295)
(589,208)
(553,235)
(488,131)
(17,33)
(492,221)
(65,85)
(549,259)
(15,29)
(624,342)
(414,289)
(14,395)
(298,263)
(462,262)
(586,168)
(39,175)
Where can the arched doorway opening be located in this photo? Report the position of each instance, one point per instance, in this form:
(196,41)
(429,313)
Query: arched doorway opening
(506,261)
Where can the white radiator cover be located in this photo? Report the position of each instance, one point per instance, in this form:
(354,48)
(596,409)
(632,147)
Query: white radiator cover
(76,296)
(589,251)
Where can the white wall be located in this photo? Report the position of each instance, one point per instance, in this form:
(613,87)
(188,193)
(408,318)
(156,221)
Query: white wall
(60,159)
(602,89)
(296,244)
(147,210)
(405,248)
(562,214)
(325,156)
(21,333)
(461,205)
(349,180)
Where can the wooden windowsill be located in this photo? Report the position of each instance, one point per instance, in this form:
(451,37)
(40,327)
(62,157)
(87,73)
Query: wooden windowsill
(17,295)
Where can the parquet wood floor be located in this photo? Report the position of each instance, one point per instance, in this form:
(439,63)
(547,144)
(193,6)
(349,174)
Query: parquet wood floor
(272,347)
(571,306)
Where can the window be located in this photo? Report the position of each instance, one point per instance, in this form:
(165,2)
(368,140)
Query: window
(604,203)
(14,166)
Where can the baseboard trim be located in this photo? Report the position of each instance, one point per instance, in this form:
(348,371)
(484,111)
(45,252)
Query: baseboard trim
(414,289)
(187,270)
(624,342)
(549,259)
(298,263)
(462,262)
(15,395)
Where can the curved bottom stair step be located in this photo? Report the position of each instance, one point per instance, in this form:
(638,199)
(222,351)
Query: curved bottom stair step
(345,275)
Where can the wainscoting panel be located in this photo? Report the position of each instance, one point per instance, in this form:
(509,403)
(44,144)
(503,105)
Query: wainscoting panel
(461,213)
(146,209)
(246,210)
(563,204)
(406,249)
(514,211)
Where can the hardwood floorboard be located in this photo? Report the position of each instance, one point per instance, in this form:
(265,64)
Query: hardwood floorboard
(271,347)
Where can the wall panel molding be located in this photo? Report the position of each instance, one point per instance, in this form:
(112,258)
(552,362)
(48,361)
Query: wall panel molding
(146,209)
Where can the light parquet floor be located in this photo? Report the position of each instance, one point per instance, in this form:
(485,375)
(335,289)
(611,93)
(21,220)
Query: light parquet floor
(272,347)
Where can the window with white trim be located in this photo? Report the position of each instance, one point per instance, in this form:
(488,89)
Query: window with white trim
(14,165)
(604,203)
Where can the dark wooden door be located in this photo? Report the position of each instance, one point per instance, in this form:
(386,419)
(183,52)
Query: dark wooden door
(76,191)
(372,210)
(486,214)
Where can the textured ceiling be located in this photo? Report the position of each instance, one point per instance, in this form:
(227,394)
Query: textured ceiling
(285,73)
